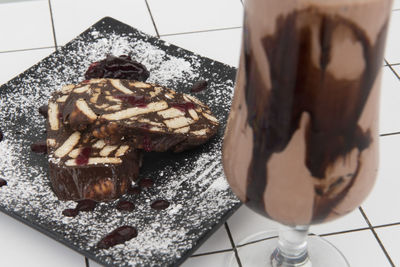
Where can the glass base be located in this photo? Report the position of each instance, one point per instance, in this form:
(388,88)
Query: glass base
(256,251)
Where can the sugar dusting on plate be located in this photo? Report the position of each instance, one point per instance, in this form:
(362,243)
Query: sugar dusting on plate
(195,186)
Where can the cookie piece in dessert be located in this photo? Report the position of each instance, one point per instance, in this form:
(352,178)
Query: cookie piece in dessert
(84,167)
(152,117)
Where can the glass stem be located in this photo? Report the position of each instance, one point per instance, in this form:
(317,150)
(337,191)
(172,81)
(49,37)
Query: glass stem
(292,247)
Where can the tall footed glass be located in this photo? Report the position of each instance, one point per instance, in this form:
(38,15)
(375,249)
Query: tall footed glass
(301,144)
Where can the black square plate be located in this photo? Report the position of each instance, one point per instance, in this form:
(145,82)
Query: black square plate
(193,182)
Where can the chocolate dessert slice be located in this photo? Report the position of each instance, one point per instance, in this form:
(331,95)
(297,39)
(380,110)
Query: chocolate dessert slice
(150,116)
(82,166)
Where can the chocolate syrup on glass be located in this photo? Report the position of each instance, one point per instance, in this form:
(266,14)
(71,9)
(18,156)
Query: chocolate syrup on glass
(298,86)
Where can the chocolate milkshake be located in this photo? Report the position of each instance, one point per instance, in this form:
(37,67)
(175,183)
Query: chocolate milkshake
(301,145)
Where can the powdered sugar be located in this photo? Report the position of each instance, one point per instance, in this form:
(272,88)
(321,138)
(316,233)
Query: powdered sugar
(193,182)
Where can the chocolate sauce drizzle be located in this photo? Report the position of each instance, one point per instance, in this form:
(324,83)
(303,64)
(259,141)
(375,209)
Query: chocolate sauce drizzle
(3,182)
(125,205)
(299,86)
(82,205)
(40,147)
(43,110)
(118,236)
(159,204)
(146,182)
(199,86)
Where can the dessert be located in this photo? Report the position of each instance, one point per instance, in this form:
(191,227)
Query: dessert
(149,116)
(301,141)
(84,167)
(122,67)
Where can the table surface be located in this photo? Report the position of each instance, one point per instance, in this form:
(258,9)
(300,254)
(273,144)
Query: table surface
(31,30)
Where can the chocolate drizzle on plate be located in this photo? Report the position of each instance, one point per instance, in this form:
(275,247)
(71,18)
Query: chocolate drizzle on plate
(146,182)
(300,86)
(125,205)
(43,110)
(118,236)
(134,190)
(40,147)
(82,205)
(160,204)
(3,182)
(199,86)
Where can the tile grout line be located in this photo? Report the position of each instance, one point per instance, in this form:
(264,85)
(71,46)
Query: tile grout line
(212,252)
(87,262)
(201,31)
(25,49)
(152,19)
(387,225)
(391,68)
(345,231)
(376,236)
(228,231)
(52,25)
(389,134)
(256,241)
(326,234)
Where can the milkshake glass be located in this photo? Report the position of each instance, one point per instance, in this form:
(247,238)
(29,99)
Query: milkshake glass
(301,144)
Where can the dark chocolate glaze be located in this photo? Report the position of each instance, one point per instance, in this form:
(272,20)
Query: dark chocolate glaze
(3,182)
(118,236)
(299,86)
